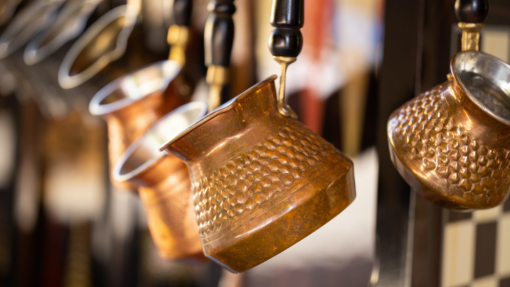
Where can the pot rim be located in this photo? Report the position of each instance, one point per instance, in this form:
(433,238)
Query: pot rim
(455,72)
(118,176)
(67,81)
(220,110)
(11,39)
(35,52)
(98,109)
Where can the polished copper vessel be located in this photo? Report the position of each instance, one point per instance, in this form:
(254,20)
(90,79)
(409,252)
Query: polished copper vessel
(261,181)
(164,184)
(132,103)
(452,143)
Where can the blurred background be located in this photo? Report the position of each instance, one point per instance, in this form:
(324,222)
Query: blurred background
(63,224)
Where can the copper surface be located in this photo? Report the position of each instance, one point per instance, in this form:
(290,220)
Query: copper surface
(452,143)
(134,102)
(164,184)
(261,181)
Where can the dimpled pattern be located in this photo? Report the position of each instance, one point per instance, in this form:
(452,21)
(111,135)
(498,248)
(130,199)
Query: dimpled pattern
(257,176)
(467,167)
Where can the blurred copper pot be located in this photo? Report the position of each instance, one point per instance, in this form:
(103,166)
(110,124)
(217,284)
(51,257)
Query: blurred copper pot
(104,42)
(132,103)
(261,181)
(69,23)
(32,19)
(164,184)
(452,143)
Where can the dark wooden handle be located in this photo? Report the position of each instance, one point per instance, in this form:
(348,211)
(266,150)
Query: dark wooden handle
(288,17)
(219,33)
(182,12)
(471,11)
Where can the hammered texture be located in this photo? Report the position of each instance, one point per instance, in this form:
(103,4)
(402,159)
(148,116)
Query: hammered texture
(432,140)
(259,175)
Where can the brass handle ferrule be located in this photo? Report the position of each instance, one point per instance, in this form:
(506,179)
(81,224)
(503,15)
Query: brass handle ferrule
(284,109)
(217,77)
(470,36)
(177,38)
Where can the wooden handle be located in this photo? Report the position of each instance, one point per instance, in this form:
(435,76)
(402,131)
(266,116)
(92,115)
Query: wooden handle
(219,33)
(471,14)
(182,12)
(287,18)
(471,11)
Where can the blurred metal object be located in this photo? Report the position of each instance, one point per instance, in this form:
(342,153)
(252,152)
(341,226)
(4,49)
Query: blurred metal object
(8,81)
(7,8)
(178,37)
(36,17)
(132,103)
(452,143)
(69,24)
(74,168)
(261,181)
(164,184)
(217,78)
(104,42)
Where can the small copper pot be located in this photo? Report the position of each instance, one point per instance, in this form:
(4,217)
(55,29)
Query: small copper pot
(69,23)
(452,143)
(132,103)
(33,18)
(103,42)
(164,184)
(261,181)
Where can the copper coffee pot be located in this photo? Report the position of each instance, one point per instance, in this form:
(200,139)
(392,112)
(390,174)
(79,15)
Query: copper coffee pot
(261,180)
(32,19)
(132,103)
(163,179)
(103,42)
(452,143)
(164,184)
(69,23)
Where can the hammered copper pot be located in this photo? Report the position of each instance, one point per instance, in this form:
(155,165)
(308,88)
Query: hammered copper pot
(164,184)
(452,143)
(261,181)
(132,103)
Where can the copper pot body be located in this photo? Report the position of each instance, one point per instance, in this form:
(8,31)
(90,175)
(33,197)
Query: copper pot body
(127,122)
(452,143)
(167,199)
(261,182)
(164,185)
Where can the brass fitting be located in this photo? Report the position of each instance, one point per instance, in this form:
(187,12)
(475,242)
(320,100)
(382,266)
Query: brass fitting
(470,36)
(177,38)
(217,77)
